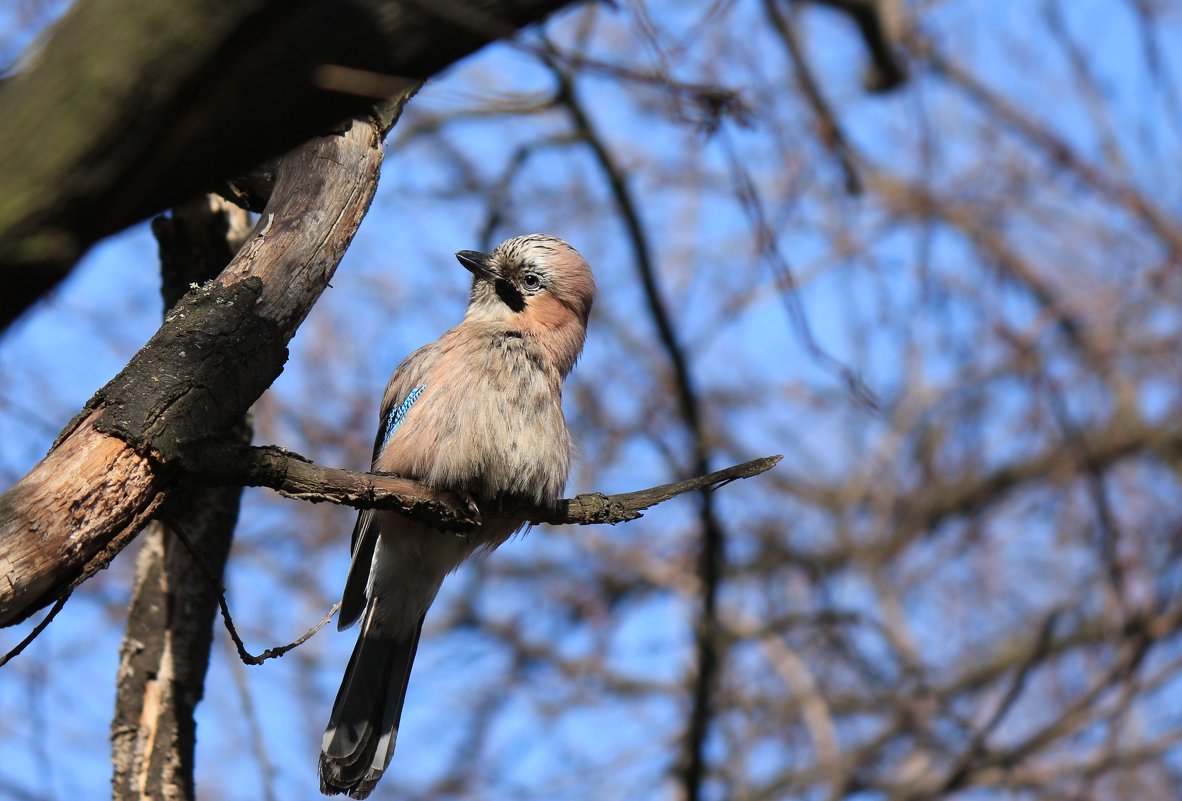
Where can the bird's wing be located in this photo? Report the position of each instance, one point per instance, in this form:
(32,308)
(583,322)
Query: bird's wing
(404,388)
(402,391)
(365,540)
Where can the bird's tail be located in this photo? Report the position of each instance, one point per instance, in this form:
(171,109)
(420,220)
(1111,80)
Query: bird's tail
(359,740)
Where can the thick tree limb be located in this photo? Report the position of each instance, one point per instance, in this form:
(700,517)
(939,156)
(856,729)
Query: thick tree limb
(165,650)
(296,477)
(217,351)
(135,105)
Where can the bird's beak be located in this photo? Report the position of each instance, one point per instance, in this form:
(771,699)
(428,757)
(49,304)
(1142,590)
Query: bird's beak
(477,263)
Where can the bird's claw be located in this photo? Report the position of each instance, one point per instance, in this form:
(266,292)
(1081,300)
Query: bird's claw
(473,509)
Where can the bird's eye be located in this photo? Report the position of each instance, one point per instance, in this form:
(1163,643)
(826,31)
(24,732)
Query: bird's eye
(531,281)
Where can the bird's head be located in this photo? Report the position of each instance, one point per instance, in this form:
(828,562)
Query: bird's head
(536,283)
(533,280)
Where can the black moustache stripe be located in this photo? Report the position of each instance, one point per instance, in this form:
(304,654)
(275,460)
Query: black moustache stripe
(509,294)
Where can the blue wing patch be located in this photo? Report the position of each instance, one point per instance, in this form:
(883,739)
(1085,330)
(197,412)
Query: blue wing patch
(396,415)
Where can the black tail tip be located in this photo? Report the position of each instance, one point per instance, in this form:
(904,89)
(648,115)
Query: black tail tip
(333,780)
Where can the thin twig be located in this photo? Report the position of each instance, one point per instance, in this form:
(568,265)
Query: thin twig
(977,746)
(258,742)
(1056,147)
(247,657)
(40,627)
(830,131)
(595,507)
(767,240)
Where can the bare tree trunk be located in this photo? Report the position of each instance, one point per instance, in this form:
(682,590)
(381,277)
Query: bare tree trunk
(165,649)
(105,477)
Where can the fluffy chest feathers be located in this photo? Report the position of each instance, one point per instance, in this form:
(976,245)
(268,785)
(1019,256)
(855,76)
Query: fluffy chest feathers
(488,421)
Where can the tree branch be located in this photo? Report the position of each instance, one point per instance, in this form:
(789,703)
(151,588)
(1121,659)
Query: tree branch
(294,476)
(165,650)
(829,128)
(216,352)
(880,24)
(134,105)
(1054,146)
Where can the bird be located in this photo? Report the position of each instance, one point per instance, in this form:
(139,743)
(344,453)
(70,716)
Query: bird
(477,412)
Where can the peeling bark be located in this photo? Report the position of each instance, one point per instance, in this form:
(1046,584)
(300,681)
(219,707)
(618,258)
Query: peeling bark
(197,376)
(165,650)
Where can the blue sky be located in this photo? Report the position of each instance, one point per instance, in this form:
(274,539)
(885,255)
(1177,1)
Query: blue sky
(913,308)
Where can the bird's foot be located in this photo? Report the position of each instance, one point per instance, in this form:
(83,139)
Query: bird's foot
(473,510)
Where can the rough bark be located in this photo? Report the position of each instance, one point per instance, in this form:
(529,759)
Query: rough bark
(135,105)
(217,351)
(165,650)
(296,477)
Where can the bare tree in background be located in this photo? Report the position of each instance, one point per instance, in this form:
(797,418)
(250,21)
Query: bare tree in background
(955,309)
